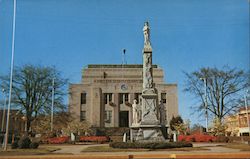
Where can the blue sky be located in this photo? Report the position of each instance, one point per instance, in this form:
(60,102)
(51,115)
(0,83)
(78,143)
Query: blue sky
(185,35)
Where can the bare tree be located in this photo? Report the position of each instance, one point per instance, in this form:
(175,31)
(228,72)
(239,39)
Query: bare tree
(224,89)
(32,90)
(41,124)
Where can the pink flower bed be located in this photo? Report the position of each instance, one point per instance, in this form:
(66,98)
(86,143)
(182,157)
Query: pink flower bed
(197,138)
(101,139)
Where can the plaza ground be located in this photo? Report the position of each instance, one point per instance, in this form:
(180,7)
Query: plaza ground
(200,150)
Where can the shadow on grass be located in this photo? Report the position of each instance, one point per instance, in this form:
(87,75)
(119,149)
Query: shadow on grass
(110,149)
(18,152)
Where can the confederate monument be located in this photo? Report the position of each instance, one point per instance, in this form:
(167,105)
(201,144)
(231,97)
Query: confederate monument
(146,125)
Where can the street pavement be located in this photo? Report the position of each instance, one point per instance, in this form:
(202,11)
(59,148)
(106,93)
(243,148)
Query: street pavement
(211,150)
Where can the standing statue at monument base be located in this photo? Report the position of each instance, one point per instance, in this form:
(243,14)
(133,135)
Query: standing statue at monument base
(135,113)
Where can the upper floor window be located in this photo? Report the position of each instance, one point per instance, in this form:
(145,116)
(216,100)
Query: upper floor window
(123,97)
(82,115)
(126,97)
(83,98)
(107,98)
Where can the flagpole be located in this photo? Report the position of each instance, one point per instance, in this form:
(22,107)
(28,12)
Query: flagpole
(11,74)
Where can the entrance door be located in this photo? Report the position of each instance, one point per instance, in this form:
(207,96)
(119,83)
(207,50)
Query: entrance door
(123,119)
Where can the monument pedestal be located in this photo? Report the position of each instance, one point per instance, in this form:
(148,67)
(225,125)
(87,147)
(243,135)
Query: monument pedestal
(147,133)
(149,129)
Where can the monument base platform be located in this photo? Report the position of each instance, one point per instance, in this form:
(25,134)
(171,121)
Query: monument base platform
(147,133)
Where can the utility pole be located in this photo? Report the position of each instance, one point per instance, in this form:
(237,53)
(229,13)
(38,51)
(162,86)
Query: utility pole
(52,103)
(205,93)
(4,107)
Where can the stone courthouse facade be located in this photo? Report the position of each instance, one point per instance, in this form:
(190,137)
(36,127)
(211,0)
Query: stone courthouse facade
(105,95)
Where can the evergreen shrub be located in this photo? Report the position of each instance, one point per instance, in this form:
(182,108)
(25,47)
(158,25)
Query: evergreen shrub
(24,142)
(14,145)
(34,145)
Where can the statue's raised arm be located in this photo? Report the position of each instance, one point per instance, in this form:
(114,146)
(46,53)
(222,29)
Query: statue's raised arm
(146,33)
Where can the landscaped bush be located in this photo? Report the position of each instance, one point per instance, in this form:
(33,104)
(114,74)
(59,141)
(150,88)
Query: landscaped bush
(99,139)
(24,143)
(222,139)
(58,140)
(150,145)
(14,145)
(197,138)
(34,145)
(190,138)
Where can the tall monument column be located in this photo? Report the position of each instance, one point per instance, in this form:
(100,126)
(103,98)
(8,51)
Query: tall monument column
(149,128)
(149,93)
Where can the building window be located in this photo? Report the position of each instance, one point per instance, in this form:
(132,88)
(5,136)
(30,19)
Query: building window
(137,97)
(123,97)
(104,75)
(126,97)
(108,116)
(120,98)
(83,98)
(163,98)
(82,115)
(107,98)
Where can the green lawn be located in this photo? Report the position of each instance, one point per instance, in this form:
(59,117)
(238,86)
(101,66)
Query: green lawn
(242,147)
(42,150)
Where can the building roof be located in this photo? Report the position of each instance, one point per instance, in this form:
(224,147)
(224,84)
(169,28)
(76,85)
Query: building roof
(244,108)
(118,66)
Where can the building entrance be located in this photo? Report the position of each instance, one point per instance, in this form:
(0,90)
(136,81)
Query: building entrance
(123,119)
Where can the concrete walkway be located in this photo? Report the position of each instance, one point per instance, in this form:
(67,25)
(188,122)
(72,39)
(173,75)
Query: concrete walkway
(73,149)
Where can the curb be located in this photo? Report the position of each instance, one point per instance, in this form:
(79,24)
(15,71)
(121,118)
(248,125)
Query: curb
(139,156)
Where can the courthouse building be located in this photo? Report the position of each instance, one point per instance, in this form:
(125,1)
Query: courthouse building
(106,93)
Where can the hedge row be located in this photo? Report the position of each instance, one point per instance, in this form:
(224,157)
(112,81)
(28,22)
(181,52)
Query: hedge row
(202,138)
(65,139)
(197,138)
(100,139)
(58,140)
(150,145)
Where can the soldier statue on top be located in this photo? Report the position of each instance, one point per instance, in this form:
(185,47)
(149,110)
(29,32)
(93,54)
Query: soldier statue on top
(146,32)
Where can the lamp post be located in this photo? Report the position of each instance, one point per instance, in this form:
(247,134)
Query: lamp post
(25,123)
(205,93)
(11,74)
(4,107)
(246,107)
